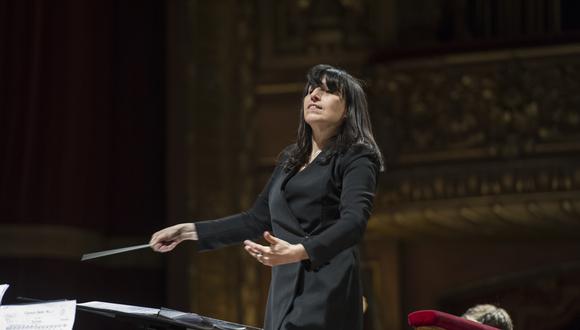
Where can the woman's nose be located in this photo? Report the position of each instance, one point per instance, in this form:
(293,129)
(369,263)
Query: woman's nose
(315,94)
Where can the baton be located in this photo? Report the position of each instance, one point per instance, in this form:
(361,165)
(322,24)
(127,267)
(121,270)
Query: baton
(99,254)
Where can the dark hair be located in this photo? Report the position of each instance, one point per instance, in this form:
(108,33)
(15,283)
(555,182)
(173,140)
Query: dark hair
(490,315)
(356,129)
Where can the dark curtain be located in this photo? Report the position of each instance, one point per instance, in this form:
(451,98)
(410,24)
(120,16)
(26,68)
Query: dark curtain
(82,139)
(82,113)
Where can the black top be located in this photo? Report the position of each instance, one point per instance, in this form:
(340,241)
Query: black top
(325,207)
(305,192)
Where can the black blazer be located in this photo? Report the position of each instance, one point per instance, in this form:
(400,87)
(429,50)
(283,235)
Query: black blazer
(323,292)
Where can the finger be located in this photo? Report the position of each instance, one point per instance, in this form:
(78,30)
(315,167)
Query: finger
(250,244)
(161,238)
(259,248)
(255,254)
(259,257)
(251,251)
(153,239)
(160,247)
(271,238)
(170,246)
(157,234)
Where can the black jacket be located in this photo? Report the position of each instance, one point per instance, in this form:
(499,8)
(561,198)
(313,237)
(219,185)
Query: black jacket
(325,291)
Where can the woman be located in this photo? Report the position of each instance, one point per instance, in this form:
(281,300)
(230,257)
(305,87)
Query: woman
(312,212)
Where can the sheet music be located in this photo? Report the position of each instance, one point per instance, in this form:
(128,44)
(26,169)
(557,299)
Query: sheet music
(130,309)
(39,316)
(3,288)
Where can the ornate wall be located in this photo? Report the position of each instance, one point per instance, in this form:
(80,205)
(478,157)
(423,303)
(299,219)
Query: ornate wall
(479,202)
(482,174)
(469,130)
(483,181)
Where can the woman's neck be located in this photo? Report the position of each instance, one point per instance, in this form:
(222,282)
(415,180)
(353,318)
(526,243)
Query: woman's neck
(317,145)
(320,138)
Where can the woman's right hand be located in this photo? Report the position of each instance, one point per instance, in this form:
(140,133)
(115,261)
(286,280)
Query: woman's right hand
(167,239)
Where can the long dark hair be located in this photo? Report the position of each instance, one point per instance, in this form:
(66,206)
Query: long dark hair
(356,129)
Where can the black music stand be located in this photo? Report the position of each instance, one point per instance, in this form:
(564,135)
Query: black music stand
(167,319)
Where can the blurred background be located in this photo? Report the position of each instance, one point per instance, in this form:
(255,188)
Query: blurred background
(120,117)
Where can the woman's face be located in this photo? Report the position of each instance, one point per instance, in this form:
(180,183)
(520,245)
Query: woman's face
(323,109)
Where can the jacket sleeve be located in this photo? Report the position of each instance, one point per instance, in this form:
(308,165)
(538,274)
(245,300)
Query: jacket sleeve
(359,180)
(233,229)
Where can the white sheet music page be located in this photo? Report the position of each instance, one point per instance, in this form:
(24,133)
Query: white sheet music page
(58,315)
(3,288)
(129,309)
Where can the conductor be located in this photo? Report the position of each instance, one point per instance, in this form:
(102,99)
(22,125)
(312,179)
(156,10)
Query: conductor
(312,212)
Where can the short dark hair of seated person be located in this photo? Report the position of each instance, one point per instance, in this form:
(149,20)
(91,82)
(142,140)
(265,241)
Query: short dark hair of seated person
(490,315)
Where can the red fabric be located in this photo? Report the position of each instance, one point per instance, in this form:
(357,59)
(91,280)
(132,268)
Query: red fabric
(443,320)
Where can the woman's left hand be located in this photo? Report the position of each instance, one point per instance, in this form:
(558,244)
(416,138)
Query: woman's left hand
(279,252)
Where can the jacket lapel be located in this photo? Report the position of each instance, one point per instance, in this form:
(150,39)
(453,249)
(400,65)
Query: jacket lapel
(284,222)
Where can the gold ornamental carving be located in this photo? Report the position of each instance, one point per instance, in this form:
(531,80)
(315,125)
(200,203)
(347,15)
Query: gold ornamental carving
(482,143)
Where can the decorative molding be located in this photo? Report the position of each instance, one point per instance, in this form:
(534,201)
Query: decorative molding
(532,215)
(382,278)
(249,278)
(302,32)
(483,19)
(447,182)
(481,106)
(222,81)
(482,143)
(373,279)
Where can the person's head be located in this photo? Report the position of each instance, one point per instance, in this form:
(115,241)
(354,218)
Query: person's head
(324,106)
(333,100)
(490,315)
